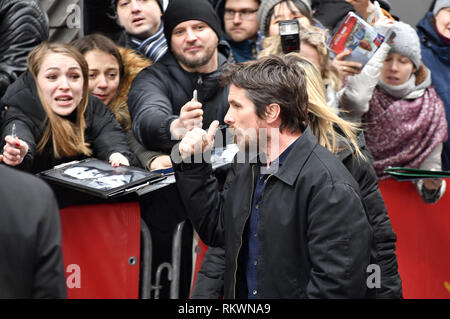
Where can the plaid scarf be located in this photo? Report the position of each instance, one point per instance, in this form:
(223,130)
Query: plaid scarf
(402,132)
(153,47)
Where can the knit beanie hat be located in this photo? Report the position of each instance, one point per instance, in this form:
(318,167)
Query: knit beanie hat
(183,10)
(162,4)
(264,9)
(406,42)
(440,4)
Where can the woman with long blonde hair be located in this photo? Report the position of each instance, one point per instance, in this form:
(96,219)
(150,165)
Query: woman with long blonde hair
(51,119)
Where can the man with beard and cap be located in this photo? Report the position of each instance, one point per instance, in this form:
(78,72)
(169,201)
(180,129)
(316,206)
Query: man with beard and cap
(160,98)
(162,108)
(144,30)
(240,22)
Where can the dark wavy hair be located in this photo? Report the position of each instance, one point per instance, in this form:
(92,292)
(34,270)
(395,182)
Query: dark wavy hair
(100,42)
(273,79)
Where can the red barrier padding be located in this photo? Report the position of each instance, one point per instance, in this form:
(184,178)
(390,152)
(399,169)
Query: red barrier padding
(423,239)
(98,242)
(200,254)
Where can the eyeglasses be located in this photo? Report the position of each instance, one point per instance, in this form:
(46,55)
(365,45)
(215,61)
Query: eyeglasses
(244,14)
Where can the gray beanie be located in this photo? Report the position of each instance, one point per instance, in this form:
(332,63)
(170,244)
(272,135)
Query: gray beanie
(440,4)
(406,42)
(266,6)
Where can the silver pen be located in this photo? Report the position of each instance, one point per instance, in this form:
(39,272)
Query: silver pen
(194,96)
(13,131)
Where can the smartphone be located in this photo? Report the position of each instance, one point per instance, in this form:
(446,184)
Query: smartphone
(290,35)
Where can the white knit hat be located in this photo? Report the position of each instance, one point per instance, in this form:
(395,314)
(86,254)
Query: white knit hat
(406,42)
(440,4)
(266,6)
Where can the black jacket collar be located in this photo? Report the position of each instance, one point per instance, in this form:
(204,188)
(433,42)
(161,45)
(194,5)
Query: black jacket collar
(297,157)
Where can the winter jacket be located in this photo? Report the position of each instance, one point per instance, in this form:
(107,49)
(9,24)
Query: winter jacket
(23,26)
(133,64)
(436,56)
(24,108)
(159,92)
(209,282)
(31,261)
(314,237)
(363,94)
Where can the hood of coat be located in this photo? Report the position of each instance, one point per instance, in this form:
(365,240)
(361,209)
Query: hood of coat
(133,64)
(220,10)
(23,94)
(429,38)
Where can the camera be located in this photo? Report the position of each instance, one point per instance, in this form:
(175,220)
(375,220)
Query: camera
(289,33)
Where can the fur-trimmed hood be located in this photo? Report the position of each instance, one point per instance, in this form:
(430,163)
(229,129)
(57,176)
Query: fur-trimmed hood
(133,64)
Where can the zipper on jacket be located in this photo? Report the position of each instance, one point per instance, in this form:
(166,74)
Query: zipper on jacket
(242,232)
(200,80)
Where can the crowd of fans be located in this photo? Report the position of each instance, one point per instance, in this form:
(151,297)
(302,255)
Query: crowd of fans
(128,99)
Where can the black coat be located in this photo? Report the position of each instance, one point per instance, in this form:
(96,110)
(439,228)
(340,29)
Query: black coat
(23,26)
(159,92)
(314,237)
(25,110)
(209,282)
(31,261)
(384,236)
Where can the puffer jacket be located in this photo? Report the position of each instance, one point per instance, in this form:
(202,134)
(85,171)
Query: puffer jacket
(159,92)
(23,26)
(314,237)
(24,108)
(436,56)
(209,282)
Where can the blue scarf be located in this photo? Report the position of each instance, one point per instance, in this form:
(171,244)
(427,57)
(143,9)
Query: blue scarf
(153,47)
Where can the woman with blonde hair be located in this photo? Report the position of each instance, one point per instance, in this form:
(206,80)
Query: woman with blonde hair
(51,118)
(313,46)
(342,139)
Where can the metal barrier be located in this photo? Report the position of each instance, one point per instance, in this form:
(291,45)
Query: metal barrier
(173,269)
(146,262)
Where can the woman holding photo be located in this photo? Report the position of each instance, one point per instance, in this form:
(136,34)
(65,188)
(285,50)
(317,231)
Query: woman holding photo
(55,118)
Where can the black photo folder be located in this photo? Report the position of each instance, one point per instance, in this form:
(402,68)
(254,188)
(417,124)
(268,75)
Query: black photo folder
(407,174)
(99,178)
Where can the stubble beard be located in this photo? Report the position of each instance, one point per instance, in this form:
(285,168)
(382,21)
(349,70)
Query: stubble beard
(194,63)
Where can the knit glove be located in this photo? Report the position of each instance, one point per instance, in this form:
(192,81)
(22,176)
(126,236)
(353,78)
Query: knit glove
(355,96)
(431,196)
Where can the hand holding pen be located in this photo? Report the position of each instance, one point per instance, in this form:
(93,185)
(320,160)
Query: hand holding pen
(191,116)
(15,149)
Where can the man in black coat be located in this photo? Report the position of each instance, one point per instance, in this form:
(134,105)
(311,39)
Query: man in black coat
(160,99)
(290,217)
(162,108)
(23,26)
(31,263)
